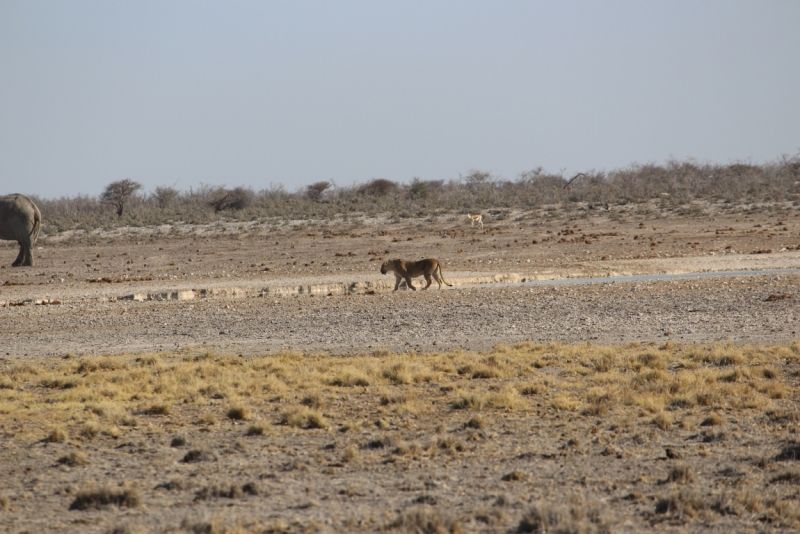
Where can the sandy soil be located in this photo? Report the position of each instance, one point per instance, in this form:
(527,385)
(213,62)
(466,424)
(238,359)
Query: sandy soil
(256,288)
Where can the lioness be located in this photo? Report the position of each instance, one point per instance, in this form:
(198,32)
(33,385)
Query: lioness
(406,270)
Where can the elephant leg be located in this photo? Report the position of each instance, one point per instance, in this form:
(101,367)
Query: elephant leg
(28,261)
(20,257)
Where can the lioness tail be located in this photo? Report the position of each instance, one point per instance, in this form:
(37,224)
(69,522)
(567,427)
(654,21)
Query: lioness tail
(439,271)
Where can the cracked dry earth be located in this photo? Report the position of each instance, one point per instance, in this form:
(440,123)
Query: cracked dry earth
(423,462)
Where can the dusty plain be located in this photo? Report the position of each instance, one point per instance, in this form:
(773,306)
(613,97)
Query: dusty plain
(263,376)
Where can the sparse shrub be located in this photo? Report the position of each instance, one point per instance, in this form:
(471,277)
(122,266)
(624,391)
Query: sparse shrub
(178,441)
(233,199)
(119,193)
(164,196)
(379,187)
(314,191)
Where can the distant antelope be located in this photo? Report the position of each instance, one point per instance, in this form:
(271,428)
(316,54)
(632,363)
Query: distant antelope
(476,219)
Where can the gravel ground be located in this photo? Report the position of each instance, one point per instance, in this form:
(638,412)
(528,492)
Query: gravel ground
(730,309)
(92,317)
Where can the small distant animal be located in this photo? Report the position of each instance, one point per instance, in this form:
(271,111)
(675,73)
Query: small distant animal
(476,219)
(20,221)
(406,270)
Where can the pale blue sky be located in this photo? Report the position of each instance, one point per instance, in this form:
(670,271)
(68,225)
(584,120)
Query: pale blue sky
(255,93)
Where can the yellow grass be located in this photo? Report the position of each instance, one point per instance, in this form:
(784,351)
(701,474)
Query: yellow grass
(81,398)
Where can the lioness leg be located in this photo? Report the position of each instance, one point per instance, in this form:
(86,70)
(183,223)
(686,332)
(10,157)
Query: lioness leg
(428,279)
(397,280)
(409,284)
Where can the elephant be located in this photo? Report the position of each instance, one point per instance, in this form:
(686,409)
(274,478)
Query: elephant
(20,221)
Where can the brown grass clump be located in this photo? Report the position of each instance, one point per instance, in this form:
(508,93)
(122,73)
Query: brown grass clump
(424,519)
(304,417)
(198,455)
(680,473)
(73,459)
(101,498)
(57,435)
(258,429)
(685,504)
(663,420)
(156,409)
(238,413)
(350,453)
(576,515)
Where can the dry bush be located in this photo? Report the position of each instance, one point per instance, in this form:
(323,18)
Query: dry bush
(673,185)
(238,198)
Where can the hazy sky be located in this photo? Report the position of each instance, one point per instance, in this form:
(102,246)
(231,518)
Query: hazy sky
(254,93)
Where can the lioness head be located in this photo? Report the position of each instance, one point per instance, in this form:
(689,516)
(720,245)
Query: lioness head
(385,267)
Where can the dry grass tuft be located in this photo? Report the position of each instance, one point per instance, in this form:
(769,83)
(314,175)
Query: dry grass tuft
(258,429)
(304,417)
(198,455)
(350,453)
(424,519)
(680,473)
(156,409)
(101,498)
(57,435)
(73,459)
(576,516)
(238,413)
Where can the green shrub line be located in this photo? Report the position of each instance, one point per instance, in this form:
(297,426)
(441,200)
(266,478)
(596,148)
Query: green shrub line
(673,184)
